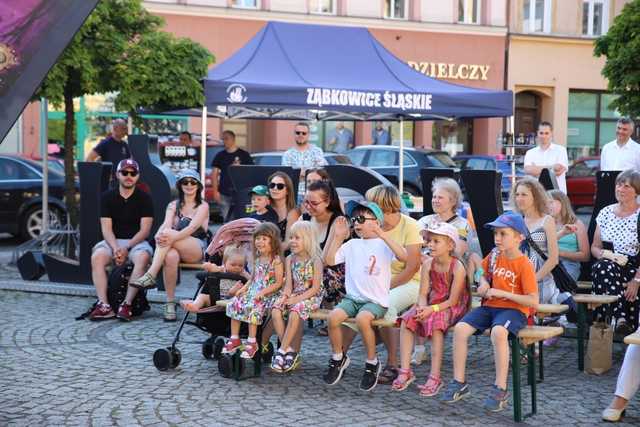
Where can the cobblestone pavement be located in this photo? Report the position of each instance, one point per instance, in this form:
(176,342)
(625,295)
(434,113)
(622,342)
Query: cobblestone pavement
(58,371)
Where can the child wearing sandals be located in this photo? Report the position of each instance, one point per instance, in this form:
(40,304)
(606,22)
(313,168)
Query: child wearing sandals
(301,294)
(255,298)
(233,261)
(509,290)
(443,300)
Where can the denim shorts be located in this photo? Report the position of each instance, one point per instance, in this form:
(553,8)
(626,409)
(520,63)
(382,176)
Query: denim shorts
(483,318)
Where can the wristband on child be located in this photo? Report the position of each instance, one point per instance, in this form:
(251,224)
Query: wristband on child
(435,308)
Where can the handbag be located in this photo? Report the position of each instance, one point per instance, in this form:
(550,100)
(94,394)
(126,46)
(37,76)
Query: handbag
(200,233)
(564,281)
(599,349)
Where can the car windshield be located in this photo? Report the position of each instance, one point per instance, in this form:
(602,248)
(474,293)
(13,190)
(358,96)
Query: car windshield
(505,167)
(341,159)
(442,160)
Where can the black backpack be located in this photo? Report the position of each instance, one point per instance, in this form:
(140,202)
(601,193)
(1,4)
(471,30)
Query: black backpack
(117,283)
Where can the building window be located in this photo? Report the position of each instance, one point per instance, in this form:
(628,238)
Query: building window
(595,17)
(395,9)
(246,4)
(455,137)
(324,7)
(592,123)
(536,16)
(469,11)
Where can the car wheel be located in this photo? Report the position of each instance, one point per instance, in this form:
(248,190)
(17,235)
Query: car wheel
(31,224)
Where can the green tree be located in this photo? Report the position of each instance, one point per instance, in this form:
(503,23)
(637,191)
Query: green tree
(621,46)
(121,48)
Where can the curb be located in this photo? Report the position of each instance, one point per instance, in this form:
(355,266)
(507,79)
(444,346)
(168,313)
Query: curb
(77,290)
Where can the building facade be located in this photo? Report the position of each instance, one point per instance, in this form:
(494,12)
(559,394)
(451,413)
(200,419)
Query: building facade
(460,41)
(554,74)
(540,49)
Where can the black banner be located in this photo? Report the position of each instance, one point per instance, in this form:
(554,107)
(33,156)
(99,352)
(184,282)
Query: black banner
(33,34)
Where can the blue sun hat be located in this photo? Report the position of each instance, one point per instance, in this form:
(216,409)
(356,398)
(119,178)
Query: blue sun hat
(188,173)
(373,207)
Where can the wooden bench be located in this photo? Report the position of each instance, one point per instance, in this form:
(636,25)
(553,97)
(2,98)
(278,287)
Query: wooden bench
(584,302)
(323,314)
(633,338)
(528,337)
(585,285)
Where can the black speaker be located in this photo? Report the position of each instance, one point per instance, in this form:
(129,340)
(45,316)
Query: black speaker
(31,265)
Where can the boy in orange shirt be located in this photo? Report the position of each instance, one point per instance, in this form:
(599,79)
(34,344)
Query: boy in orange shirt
(509,290)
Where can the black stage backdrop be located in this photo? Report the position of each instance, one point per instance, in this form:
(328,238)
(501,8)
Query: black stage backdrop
(33,34)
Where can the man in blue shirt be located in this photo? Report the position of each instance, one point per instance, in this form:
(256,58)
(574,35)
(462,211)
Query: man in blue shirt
(380,136)
(342,139)
(113,148)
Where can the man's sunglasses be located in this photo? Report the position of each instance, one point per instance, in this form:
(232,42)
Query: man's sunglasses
(361,219)
(278,185)
(188,182)
(300,133)
(129,173)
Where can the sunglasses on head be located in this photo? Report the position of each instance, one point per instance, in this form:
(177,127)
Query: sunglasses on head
(361,219)
(278,185)
(128,173)
(300,132)
(188,182)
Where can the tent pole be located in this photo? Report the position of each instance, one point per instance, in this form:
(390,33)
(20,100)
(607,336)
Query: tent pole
(44,149)
(511,121)
(203,147)
(401,162)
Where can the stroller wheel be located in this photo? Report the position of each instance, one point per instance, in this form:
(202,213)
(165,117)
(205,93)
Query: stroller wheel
(163,359)
(176,357)
(267,355)
(208,348)
(218,345)
(225,366)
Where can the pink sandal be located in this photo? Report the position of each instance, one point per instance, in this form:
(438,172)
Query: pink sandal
(403,380)
(431,387)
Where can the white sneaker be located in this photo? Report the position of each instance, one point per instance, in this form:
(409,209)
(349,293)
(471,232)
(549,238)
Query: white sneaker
(419,356)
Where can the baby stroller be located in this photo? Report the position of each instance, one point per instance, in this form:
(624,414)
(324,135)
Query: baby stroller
(213,320)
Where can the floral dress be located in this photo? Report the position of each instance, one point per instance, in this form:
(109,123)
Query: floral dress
(302,277)
(245,307)
(440,287)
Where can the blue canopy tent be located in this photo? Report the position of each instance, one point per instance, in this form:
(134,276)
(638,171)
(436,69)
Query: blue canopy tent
(321,72)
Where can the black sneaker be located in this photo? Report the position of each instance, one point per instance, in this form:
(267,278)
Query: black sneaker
(370,376)
(336,368)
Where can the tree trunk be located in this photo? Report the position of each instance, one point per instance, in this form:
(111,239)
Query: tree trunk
(69,152)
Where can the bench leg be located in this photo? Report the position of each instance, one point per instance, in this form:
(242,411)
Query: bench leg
(517,392)
(582,320)
(532,376)
(541,360)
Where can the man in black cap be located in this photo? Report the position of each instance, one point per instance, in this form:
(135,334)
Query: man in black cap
(126,217)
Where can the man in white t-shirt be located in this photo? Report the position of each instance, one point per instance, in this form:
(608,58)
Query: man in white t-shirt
(623,153)
(547,155)
(367,261)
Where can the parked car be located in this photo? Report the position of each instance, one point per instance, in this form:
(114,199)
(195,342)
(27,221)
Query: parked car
(274,158)
(384,159)
(581,181)
(485,162)
(21,196)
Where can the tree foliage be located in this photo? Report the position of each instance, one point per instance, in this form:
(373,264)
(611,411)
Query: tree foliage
(621,46)
(121,48)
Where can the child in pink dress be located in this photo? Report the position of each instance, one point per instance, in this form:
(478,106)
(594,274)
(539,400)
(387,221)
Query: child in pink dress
(443,300)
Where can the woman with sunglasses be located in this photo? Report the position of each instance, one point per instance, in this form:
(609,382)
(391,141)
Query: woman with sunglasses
(183,236)
(283,201)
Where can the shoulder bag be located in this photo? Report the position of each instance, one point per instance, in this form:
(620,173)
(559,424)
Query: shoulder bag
(564,282)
